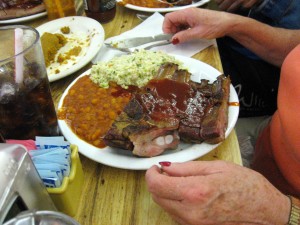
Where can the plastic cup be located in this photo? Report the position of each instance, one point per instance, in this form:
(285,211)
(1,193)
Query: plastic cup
(26,106)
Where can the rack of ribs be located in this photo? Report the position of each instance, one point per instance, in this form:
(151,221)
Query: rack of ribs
(169,109)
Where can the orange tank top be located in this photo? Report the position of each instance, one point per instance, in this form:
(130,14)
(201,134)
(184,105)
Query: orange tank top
(277,151)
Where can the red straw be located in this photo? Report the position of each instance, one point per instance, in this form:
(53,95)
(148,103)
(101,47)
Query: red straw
(19,58)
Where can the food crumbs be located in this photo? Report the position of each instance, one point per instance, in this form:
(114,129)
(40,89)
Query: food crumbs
(65,30)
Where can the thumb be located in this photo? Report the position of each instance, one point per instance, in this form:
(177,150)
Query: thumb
(186,35)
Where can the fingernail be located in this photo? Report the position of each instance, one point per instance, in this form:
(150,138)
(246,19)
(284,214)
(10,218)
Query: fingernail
(175,41)
(165,163)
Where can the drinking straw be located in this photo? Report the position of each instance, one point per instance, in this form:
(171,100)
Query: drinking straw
(59,8)
(19,58)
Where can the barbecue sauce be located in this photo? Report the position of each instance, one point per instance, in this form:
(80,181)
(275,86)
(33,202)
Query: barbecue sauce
(234,103)
(167,98)
(172,91)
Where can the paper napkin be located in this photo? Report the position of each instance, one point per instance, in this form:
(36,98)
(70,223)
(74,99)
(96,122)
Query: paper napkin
(152,26)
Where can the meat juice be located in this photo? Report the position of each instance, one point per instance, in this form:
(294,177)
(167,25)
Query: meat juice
(26,109)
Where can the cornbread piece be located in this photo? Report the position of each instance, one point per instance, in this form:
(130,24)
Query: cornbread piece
(51,43)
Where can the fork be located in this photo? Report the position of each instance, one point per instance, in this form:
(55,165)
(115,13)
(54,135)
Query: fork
(130,50)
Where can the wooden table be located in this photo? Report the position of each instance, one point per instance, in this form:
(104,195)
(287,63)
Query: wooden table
(114,196)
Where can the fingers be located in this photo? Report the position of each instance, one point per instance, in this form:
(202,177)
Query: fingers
(163,185)
(174,22)
(229,5)
(233,5)
(192,34)
(249,4)
(197,168)
(181,180)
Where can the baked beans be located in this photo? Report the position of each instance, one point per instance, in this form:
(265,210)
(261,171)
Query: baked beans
(90,110)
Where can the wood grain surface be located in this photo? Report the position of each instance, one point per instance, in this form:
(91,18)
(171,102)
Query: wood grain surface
(114,196)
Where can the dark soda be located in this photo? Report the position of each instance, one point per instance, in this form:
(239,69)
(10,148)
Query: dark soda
(26,109)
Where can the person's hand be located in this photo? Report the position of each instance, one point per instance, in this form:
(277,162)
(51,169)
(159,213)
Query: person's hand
(195,23)
(233,5)
(216,192)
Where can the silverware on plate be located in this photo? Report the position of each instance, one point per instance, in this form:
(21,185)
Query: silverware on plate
(131,44)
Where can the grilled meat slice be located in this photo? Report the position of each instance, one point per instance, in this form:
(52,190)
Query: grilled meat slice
(171,71)
(210,124)
(134,130)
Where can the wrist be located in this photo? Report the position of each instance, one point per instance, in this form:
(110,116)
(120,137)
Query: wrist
(294,217)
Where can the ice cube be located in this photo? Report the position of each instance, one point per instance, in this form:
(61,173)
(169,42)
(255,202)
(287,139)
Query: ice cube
(31,82)
(7,91)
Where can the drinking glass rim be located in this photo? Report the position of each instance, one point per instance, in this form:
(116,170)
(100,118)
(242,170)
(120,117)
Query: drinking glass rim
(26,49)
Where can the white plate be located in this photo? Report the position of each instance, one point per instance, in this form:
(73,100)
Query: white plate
(185,152)
(83,28)
(171,9)
(24,18)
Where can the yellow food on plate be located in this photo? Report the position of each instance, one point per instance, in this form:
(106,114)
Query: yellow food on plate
(51,43)
(63,49)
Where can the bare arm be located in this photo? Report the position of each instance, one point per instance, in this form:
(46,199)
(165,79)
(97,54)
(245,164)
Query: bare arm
(270,43)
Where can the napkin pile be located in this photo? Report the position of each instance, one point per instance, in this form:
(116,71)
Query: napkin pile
(51,156)
(52,159)
(150,27)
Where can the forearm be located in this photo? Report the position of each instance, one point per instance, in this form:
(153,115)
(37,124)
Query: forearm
(270,43)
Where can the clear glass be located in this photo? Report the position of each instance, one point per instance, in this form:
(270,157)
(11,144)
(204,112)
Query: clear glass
(26,105)
(42,218)
(60,8)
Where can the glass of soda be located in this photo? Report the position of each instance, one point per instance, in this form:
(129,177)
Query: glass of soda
(26,105)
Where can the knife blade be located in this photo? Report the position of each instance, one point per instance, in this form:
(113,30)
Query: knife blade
(138,41)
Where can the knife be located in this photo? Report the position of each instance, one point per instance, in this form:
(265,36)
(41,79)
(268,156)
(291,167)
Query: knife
(137,41)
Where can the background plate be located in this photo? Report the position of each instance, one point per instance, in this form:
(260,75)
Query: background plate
(185,152)
(171,9)
(24,18)
(81,27)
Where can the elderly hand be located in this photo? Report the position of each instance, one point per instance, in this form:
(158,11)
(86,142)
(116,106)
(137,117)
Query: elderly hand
(216,192)
(194,23)
(232,5)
